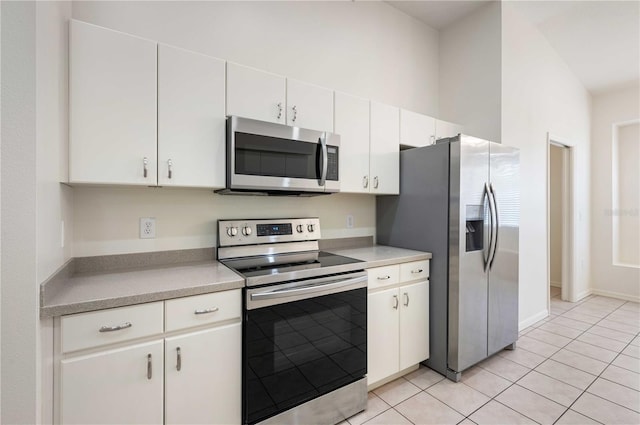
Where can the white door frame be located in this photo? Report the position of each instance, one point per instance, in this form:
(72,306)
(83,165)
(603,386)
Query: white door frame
(568,218)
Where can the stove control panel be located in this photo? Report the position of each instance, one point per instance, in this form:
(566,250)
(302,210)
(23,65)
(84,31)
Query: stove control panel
(253,232)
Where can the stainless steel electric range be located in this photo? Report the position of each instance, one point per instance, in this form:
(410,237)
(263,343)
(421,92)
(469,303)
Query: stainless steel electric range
(305,322)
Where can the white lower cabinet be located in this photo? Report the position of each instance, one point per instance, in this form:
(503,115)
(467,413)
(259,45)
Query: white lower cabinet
(191,373)
(117,386)
(397,324)
(203,377)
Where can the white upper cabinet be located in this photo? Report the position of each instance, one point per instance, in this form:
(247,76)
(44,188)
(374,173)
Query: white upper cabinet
(191,119)
(385,149)
(447,129)
(112,83)
(352,124)
(416,129)
(256,94)
(309,106)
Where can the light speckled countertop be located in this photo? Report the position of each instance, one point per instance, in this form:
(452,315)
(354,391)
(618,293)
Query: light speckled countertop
(380,255)
(87,292)
(96,291)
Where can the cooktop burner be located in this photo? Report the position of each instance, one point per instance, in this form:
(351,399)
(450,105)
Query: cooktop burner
(284,263)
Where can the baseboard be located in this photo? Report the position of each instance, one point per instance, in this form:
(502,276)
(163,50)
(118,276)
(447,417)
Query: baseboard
(555,284)
(617,295)
(533,319)
(582,295)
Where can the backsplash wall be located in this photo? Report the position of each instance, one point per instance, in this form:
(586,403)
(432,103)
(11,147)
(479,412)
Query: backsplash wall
(106,220)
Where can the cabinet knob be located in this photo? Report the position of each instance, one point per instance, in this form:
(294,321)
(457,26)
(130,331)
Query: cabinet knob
(178,359)
(295,113)
(365,182)
(387,277)
(406,299)
(395,306)
(125,325)
(145,162)
(149,367)
(279,110)
(375,182)
(169,165)
(432,139)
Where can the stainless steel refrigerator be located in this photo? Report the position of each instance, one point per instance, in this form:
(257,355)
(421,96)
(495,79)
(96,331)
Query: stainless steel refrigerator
(460,200)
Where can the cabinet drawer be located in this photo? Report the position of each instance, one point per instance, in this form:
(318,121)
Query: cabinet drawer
(414,270)
(86,330)
(199,310)
(383,276)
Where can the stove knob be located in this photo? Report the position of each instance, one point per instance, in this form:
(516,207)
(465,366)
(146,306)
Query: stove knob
(232,231)
(310,227)
(300,228)
(246,230)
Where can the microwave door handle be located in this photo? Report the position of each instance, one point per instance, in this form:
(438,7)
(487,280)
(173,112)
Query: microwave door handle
(325,159)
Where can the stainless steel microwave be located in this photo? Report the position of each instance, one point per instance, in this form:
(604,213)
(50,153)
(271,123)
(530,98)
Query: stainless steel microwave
(270,158)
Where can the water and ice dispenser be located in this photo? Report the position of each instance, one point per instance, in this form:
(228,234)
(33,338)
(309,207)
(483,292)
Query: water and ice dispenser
(475,228)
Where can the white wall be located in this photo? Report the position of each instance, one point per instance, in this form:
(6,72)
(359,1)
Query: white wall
(18,228)
(555,213)
(365,48)
(106,219)
(540,95)
(608,279)
(627,190)
(470,72)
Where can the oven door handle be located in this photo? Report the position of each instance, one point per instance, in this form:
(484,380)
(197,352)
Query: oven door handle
(301,292)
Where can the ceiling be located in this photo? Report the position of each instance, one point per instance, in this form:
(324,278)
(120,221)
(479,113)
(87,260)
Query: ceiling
(599,40)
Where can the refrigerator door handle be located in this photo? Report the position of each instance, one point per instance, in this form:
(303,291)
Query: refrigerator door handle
(497,224)
(487,257)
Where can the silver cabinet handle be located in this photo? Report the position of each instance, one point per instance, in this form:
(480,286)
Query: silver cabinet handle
(406,299)
(149,367)
(432,139)
(416,271)
(365,182)
(169,164)
(279,110)
(375,182)
(206,310)
(125,325)
(295,113)
(178,359)
(387,277)
(145,162)
(395,307)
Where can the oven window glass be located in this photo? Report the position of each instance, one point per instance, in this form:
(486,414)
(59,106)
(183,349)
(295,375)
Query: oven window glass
(257,155)
(300,350)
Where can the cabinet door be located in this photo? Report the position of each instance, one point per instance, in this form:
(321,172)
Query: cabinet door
(414,324)
(204,385)
(121,386)
(112,97)
(447,129)
(309,106)
(191,119)
(416,129)
(352,124)
(256,94)
(382,335)
(385,149)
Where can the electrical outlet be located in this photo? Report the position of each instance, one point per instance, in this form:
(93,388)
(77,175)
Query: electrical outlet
(349,221)
(147,227)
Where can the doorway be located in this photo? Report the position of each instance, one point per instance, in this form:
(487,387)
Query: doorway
(560,155)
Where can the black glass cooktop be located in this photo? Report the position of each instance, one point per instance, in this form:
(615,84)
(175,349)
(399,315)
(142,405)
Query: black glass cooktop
(285,263)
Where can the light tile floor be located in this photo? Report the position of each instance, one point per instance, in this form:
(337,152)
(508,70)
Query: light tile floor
(580,365)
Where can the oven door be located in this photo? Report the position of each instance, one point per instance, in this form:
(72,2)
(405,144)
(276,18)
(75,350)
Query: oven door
(275,157)
(302,340)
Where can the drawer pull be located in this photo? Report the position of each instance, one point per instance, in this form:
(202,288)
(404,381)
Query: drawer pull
(416,271)
(387,277)
(206,310)
(125,325)
(149,367)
